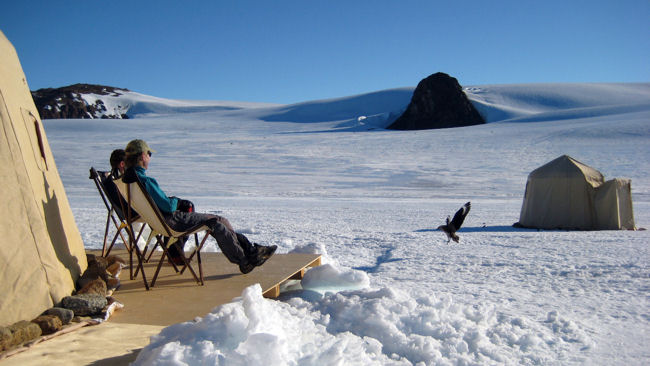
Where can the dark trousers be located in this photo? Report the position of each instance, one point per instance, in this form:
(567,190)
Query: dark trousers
(235,246)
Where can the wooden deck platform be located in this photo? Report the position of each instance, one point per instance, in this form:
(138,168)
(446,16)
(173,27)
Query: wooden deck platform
(177,297)
(174,299)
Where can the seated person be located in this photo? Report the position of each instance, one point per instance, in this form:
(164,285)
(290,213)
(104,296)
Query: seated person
(117,169)
(235,246)
(118,166)
(118,163)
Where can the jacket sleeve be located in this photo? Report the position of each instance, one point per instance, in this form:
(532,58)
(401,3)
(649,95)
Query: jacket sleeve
(164,203)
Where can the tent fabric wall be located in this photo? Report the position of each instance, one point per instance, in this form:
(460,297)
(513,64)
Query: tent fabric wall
(615,193)
(41,251)
(567,194)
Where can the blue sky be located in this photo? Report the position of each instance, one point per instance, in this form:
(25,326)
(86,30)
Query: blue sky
(292,51)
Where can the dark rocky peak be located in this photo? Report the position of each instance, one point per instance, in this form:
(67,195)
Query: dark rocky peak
(69,102)
(438,102)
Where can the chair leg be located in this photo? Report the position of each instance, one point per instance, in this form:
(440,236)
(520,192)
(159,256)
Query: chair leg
(196,245)
(196,241)
(137,239)
(198,257)
(155,276)
(131,265)
(187,265)
(131,247)
(140,259)
(163,245)
(131,275)
(108,251)
(108,220)
(196,251)
(146,247)
(127,244)
(152,251)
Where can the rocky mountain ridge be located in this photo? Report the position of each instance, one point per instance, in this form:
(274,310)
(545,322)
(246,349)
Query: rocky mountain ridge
(78,101)
(437,102)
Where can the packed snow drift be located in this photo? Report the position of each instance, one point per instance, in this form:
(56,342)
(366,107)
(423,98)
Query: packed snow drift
(326,177)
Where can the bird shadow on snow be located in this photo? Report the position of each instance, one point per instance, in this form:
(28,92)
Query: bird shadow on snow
(385,257)
(482,229)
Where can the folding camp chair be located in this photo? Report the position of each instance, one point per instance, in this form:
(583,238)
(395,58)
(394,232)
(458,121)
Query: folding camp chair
(112,202)
(113,209)
(138,199)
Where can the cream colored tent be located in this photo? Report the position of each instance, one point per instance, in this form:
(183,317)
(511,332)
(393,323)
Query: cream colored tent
(567,194)
(41,251)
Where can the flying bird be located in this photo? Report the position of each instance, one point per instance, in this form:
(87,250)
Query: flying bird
(455,224)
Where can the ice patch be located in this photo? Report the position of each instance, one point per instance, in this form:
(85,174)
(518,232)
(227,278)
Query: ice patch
(327,278)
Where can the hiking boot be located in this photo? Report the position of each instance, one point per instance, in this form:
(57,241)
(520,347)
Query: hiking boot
(177,260)
(263,253)
(246,267)
(175,254)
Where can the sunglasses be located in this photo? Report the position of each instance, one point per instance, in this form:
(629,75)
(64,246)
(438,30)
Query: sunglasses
(149,153)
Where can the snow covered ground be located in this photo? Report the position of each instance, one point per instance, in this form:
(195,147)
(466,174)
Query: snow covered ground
(325,177)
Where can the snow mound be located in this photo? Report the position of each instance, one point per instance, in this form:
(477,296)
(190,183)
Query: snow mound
(367,327)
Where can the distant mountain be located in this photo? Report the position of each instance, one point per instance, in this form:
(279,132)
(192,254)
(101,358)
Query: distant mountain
(495,103)
(438,102)
(79,101)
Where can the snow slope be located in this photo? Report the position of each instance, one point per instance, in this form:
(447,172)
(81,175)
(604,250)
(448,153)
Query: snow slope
(135,104)
(324,177)
(544,101)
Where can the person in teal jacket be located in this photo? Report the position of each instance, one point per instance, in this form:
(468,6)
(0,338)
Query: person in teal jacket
(166,205)
(180,216)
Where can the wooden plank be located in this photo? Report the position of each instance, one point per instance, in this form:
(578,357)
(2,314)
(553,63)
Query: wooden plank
(298,275)
(273,292)
(177,298)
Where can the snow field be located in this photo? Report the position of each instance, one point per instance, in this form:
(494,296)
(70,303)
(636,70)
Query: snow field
(392,291)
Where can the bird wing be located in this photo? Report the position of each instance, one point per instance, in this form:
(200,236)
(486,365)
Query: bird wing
(459,217)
